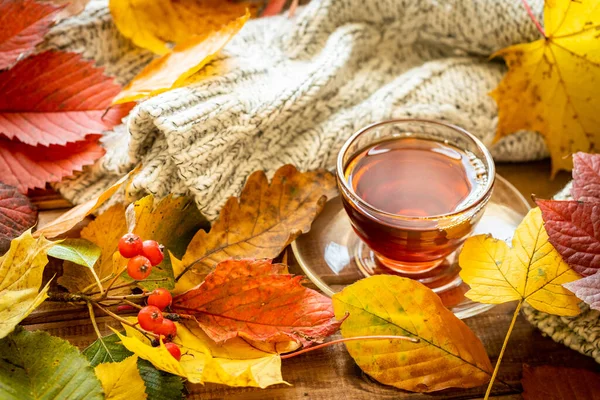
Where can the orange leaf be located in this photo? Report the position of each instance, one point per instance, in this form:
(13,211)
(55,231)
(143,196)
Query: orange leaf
(258,300)
(185,60)
(25,166)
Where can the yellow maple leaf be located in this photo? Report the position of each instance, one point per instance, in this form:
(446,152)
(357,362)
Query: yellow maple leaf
(153,24)
(553,83)
(21,270)
(532,271)
(187,58)
(121,380)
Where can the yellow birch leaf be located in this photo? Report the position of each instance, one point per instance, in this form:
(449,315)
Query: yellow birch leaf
(552,84)
(448,353)
(121,380)
(186,59)
(154,24)
(21,270)
(532,271)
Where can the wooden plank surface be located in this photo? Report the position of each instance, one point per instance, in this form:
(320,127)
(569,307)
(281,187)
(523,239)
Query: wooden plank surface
(331,373)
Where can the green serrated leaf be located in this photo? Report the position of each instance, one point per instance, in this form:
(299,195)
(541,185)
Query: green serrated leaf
(80,251)
(37,366)
(159,385)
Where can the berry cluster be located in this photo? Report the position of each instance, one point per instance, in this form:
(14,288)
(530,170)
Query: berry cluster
(142,255)
(151,319)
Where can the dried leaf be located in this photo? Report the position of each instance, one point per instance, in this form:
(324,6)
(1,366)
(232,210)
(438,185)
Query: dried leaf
(586,177)
(186,59)
(23,25)
(71,7)
(273,7)
(57,98)
(447,355)
(587,289)
(68,220)
(259,301)
(552,84)
(17,214)
(121,380)
(265,219)
(152,24)
(28,167)
(21,270)
(559,383)
(532,271)
(574,230)
(35,365)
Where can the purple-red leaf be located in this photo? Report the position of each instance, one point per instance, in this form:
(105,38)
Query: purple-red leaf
(574,230)
(17,214)
(23,25)
(57,98)
(586,177)
(258,301)
(587,289)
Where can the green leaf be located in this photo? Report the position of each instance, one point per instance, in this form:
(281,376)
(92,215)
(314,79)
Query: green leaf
(35,365)
(159,385)
(80,251)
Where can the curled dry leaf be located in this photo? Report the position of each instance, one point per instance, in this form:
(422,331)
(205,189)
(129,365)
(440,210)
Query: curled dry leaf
(586,177)
(186,59)
(552,84)
(153,24)
(265,219)
(23,25)
(448,353)
(21,270)
(64,99)
(17,214)
(532,271)
(121,380)
(259,301)
(559,383)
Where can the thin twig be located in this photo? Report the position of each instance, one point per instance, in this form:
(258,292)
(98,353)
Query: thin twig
(115,278)
(350,339)
(91,285)
(132,304)
(115,316)
(127,297)
(95,325)
(132,283)
(533,18)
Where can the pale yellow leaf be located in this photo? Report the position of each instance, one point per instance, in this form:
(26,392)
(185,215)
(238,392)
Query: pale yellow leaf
(121,380)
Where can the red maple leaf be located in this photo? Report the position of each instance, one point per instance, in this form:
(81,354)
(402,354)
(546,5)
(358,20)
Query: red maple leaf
(574,230)
(259,301)
(27,166)
(586,177)
(56,98)
(587,289)
(17,214)
(23,25)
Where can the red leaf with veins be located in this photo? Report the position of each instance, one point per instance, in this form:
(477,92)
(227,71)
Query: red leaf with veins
(574,230)
(586,177)
(27,166)
(587,289)
(23,25)
(56,98)
(259,301)
(17,214)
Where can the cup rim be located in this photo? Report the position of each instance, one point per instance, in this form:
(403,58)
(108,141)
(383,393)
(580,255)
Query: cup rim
(475,203)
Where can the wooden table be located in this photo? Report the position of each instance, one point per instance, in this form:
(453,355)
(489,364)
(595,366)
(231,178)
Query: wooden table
(331,373)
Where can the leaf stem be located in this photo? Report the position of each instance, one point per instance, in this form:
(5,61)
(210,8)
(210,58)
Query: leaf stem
(91,285)
(124,321)
(497,367)
(93,319)
(533,18)
(115,279)
(132,283)
(350,339)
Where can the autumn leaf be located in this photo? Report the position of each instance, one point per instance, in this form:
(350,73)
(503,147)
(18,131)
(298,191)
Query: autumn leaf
(559,383)
(75,215)
(587,289)
(586,177)
(273,7)
(448,353)
(35,365)
(152,24)
(17,214)
(265,219)
(552,84)
(55,98)
(121,380)
(28,167)
(187,58)
(21,270)
(23,25)
(532,270)
(71,7)
(259,301)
